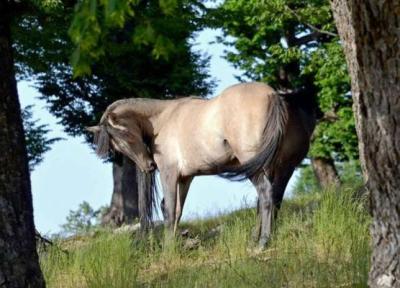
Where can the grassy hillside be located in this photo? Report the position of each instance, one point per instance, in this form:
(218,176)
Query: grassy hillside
(321,240)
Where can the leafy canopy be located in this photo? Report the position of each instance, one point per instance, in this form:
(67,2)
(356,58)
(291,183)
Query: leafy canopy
(125,69)
(94,19)
(36,137)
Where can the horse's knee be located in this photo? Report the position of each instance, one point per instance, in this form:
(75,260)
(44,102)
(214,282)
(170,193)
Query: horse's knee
(265,203)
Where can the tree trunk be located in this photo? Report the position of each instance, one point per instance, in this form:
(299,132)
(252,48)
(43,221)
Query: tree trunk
(325,172)
(124,201)
(370,34)
(19,265)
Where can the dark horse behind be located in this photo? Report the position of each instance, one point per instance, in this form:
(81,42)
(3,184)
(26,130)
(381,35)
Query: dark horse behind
(249,131)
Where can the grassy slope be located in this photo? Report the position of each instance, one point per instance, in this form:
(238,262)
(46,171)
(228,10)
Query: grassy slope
(322,240)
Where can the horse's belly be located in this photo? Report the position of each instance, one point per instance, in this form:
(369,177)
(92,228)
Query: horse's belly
(205,159)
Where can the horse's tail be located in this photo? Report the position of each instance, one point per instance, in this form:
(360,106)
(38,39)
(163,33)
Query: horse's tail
(271,142)
(148,196)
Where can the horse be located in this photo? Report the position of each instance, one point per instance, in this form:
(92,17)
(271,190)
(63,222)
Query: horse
(249,131)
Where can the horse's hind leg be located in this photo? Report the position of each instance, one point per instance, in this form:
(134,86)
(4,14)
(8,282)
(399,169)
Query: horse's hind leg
(271,195)
(265,206)
(281,179)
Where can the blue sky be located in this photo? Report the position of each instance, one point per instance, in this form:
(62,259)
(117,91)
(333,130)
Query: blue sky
(71,173)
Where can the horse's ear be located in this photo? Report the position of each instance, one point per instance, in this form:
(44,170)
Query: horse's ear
(93,129)
(112,120)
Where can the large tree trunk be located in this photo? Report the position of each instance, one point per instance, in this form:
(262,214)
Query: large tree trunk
(370,32)
(325,172)
(124,202)
(19,265)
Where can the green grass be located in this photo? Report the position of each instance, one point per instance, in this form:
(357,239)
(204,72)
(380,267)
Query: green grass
(321,240)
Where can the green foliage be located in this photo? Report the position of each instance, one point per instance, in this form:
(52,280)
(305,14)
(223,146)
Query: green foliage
(292,44)
(37,142)
(95,19)
(266,35)
(349,173)
(321,240)
(47,5)
(82,220)
(335,136)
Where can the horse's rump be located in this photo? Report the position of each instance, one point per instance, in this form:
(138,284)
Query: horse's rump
(269,142)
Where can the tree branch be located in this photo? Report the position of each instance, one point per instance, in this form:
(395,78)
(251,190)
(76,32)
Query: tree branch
(312,27)
(44,242)
(307,38)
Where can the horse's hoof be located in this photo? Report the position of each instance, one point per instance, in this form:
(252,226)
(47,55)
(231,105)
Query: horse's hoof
(255,235)
(185,233)
(263,243)
(256,251)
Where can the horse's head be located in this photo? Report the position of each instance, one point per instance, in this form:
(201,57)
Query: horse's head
(123,131)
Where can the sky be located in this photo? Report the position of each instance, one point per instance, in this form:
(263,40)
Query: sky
(71,173)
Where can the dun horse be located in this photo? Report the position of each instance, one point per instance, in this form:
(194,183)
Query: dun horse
(248,131)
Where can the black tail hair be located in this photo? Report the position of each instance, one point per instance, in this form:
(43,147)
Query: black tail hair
(272,138)
(148,197)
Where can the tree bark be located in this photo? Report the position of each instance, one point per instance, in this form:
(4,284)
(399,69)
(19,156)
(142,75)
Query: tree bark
(370,32)
(325,172)
(19,265)
(124,201)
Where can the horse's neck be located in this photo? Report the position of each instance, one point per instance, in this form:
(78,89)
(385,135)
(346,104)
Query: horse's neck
(148,108)
(150,113)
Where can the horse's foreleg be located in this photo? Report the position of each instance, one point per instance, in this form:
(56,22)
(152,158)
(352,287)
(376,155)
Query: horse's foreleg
(183,188)
(265,205)
(169,181)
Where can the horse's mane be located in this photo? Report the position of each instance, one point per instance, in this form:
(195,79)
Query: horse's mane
(101,137)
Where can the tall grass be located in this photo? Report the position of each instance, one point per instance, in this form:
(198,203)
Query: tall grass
(105,260)
(321,240)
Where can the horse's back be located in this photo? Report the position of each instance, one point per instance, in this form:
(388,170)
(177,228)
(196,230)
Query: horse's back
(246,101)
(247,90)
